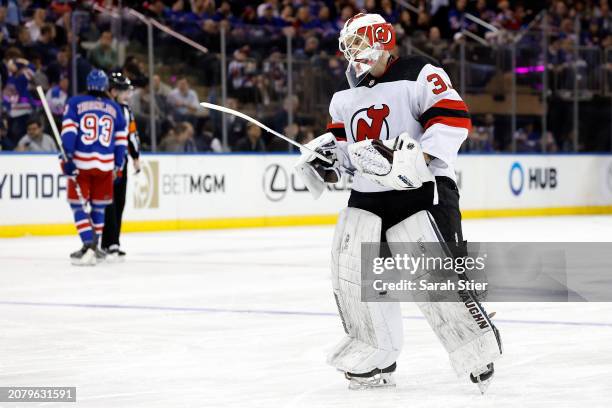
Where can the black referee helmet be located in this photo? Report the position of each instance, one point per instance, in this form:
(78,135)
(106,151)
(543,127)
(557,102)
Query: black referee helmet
(119,82)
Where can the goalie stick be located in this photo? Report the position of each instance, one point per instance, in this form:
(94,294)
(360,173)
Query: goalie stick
(264,127)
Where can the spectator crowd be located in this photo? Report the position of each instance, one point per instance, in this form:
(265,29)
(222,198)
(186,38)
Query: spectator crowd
(36,49)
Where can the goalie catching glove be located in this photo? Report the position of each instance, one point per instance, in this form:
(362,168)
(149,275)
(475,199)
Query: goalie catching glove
(397,163)
(314,172)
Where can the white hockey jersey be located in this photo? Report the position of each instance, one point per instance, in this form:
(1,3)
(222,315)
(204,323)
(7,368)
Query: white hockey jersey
(413,95)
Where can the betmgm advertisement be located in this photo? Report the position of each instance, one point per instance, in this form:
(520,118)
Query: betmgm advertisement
(161,183)
(217,191)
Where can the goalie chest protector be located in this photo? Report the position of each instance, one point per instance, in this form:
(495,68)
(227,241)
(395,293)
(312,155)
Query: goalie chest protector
(414,95)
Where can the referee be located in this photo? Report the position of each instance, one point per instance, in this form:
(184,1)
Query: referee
(120,90)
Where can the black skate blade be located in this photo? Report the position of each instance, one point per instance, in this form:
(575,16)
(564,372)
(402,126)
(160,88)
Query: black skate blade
(483,380)
(483,385)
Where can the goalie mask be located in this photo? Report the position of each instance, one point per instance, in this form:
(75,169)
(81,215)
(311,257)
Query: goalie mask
(363,40)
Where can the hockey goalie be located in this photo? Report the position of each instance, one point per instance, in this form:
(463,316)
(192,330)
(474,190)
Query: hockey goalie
(397,128)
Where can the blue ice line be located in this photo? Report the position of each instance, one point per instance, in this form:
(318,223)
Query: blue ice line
(272,312)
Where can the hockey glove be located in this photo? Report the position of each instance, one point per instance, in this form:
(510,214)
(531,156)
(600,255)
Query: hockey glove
(117,173)
(396,163)
(68,167)
(314,172)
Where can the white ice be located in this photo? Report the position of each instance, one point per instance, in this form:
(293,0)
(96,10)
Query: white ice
(244,318)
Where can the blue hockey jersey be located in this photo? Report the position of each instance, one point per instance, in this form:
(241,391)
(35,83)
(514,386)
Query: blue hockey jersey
(94,133)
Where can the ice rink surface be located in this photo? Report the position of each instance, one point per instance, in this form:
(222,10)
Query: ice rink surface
(244,318)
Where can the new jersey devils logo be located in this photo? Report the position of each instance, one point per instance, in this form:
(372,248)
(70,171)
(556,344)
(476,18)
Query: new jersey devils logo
(370,123)
(383,34)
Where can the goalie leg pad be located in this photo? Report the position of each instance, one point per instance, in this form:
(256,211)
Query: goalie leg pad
(374,331)
(463,327)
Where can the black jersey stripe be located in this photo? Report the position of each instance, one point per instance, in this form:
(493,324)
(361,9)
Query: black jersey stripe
(337,129)
(433,112)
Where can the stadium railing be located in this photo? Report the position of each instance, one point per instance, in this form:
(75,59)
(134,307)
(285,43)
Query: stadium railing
(520,79)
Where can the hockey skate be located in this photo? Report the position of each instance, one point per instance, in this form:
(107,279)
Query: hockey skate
(86,256)
(114,254)
(100,253)
(483,377)
(376,378)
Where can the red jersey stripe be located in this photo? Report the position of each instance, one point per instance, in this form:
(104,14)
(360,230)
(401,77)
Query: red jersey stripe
(451,104)
(77,157)
(454,122)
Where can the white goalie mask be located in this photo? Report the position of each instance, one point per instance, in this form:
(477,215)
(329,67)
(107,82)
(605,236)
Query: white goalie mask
(363,40)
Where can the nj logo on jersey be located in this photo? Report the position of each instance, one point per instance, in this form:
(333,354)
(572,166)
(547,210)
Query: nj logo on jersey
(370,123)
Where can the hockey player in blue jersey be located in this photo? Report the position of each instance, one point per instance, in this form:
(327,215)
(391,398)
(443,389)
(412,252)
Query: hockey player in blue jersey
(94,136)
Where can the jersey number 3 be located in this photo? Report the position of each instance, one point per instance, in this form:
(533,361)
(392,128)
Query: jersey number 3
(439,84)
(96,128)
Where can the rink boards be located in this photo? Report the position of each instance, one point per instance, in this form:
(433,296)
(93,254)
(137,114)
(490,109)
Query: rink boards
(225,191)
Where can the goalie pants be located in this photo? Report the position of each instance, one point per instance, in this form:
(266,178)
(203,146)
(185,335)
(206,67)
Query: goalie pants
(395,206)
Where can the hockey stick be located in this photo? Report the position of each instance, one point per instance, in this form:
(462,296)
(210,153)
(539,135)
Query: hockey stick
(58,140)
(49,115)
(261,125)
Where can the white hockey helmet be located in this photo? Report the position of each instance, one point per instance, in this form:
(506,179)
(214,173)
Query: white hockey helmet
(363,40)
